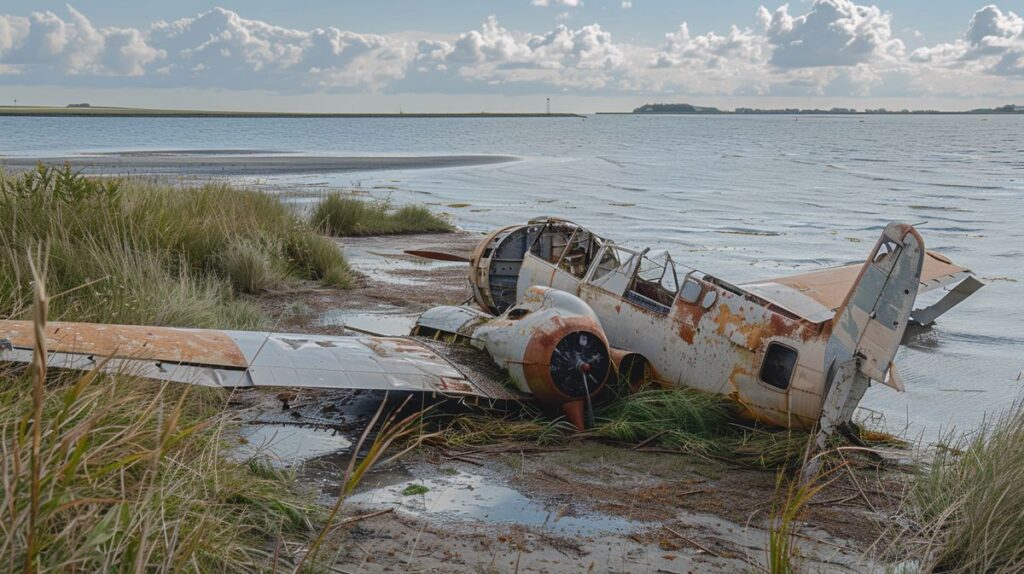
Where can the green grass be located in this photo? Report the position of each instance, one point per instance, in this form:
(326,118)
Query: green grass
(134,251)
(131,477)
(677,420)
(118,474)
(969,502)
(344,216)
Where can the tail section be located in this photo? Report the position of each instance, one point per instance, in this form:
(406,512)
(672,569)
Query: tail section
(868,327)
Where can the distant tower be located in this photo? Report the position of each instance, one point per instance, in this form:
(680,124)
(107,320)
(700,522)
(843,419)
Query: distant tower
(549,106)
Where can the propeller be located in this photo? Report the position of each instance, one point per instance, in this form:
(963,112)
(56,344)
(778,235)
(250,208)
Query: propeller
(577,360)
(437,255)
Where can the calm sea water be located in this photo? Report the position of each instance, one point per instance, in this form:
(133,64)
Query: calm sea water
(739,197)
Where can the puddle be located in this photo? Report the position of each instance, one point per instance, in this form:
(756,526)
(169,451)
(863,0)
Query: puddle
(384,320)
(287,445)
(473,497)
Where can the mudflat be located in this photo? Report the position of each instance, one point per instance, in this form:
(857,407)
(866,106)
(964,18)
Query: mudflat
(240,163)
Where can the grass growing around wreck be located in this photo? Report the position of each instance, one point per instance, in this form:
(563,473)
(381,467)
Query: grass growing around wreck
(969,501)
(131,478)
(672,420)
(134,251)
(344,216)
(113,473)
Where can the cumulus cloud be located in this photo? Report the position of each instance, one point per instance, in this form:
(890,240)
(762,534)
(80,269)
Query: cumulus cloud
(73,46)
(569,3)
(829,47)
(831,33)
(992,44)
(586,57)
(218,48)
(738,47)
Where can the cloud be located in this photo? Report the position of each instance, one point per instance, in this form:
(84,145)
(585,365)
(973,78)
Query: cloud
(993,44)
(546,3)
(832,33)
(710,50)
(626,4)
(582,58)
(73,47)
(829,47)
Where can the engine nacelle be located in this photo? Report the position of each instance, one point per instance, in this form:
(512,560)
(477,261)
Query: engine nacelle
(552,345)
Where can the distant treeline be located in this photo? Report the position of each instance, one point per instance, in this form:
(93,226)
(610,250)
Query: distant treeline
(691,109)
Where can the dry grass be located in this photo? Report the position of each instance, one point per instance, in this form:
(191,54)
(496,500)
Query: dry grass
(340,215)
(115,474)
(969,502)
(138,252)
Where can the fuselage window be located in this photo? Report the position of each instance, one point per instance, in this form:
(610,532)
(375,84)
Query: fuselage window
(779,364)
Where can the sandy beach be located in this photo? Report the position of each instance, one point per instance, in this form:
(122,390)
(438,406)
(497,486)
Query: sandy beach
(226,162)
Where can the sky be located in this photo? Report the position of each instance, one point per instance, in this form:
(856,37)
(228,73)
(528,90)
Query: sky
(511,55)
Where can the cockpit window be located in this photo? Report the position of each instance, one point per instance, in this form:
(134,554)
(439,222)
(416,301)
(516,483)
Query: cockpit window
(655,284)
(779,364)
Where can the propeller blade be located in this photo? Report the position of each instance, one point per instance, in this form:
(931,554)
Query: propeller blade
(437,255)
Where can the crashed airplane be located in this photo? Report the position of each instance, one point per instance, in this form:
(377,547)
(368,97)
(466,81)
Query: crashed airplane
(563,311)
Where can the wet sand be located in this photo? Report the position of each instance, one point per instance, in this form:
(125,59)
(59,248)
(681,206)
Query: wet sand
(228,163)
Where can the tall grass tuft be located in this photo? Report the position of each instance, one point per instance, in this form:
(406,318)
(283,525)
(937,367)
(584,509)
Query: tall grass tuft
(114,474)
(344,216)
(782,526)
(131,477)
(970,500)
(683,419)
(135,251)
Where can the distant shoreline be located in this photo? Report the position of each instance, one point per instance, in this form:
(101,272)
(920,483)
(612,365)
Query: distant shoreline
(107,112)
(812,113)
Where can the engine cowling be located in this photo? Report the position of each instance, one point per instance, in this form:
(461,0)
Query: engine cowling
(553,346)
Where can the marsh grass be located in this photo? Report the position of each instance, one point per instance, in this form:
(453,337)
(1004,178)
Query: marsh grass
(467,430)
(670,420)
(791,498)
(135,251)
(969,501)
(343,216)
(132,478)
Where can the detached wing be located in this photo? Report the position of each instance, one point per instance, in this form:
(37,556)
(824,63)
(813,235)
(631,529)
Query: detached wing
(248,359)
(817,295)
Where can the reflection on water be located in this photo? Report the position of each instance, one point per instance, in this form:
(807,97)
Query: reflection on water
(466,496)
(744,198)
(285,445)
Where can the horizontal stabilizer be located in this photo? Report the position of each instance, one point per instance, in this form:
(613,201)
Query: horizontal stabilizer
(816,295)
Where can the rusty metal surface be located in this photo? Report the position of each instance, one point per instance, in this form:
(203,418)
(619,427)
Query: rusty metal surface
(830,286)
(245,358)
(455,256)
(206,347)
(449,319)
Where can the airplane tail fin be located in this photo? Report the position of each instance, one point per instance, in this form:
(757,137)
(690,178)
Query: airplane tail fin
(868,327)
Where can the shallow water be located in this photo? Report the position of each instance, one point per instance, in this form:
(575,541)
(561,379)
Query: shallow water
(286,445)
(477,497)
(386,320)
(740,197)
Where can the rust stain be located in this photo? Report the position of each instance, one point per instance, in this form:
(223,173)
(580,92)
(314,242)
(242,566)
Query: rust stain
(725,318)
(686,332)
(752,333)
(130,341)
(688,316)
